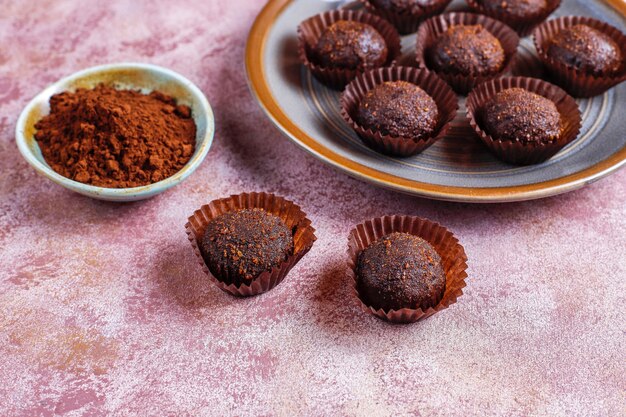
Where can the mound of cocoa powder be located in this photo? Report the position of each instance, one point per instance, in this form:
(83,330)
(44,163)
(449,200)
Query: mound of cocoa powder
(116,138)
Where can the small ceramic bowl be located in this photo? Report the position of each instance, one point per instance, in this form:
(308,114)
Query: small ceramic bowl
(142,77)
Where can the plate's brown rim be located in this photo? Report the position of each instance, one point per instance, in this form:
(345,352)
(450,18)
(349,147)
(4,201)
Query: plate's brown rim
(257,81)
(619,5)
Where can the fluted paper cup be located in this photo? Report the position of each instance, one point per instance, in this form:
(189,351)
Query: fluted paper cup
(516,152)
(288,212)
(575,82)
(310,30)
(407,21)
(453,260)
(522,26)
(442,94)
(432,29)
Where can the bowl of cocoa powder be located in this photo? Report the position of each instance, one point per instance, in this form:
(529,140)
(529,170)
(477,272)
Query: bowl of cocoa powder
(119,132)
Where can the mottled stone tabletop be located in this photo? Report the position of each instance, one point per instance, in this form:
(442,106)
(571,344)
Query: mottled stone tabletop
(104,310)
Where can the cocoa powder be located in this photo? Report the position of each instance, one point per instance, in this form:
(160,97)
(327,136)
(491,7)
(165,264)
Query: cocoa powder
(116,138)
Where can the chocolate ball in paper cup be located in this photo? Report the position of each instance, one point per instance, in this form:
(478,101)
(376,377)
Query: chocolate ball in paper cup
(248,243)
(531,150)
(442,251)
(521,15)
(581,82)
(405,16)
(461,63)
(334,23)
(431,89)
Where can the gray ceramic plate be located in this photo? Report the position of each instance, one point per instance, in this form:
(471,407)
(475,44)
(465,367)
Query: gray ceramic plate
(458,167)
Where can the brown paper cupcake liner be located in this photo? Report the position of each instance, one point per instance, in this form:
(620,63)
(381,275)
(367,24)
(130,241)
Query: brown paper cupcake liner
(407,23)
(447,106)
(434,27)
(575,82)
(311,29)
(522,26)
(290,213)
(515,152)
(453,258)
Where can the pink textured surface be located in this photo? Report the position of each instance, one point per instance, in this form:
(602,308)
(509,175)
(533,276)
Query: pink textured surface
(104,310)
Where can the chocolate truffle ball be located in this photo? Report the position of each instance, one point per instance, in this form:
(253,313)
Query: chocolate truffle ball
(400,271)
(467,50)
(517,114)
(350,45)
(521,9)
(403,6)
(585,49)
(242,244)
(398,108)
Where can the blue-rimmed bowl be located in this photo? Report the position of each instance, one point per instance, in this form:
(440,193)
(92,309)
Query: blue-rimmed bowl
(144,77)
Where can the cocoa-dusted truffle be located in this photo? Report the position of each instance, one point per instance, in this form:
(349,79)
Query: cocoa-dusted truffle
(585,49)
(467,50)
(402,6)
(520,9)
(517,114)
(400,271)
(351,45)
(398,108)
(239,245)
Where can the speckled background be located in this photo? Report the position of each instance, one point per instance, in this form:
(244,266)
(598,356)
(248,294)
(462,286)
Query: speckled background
(104,311)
